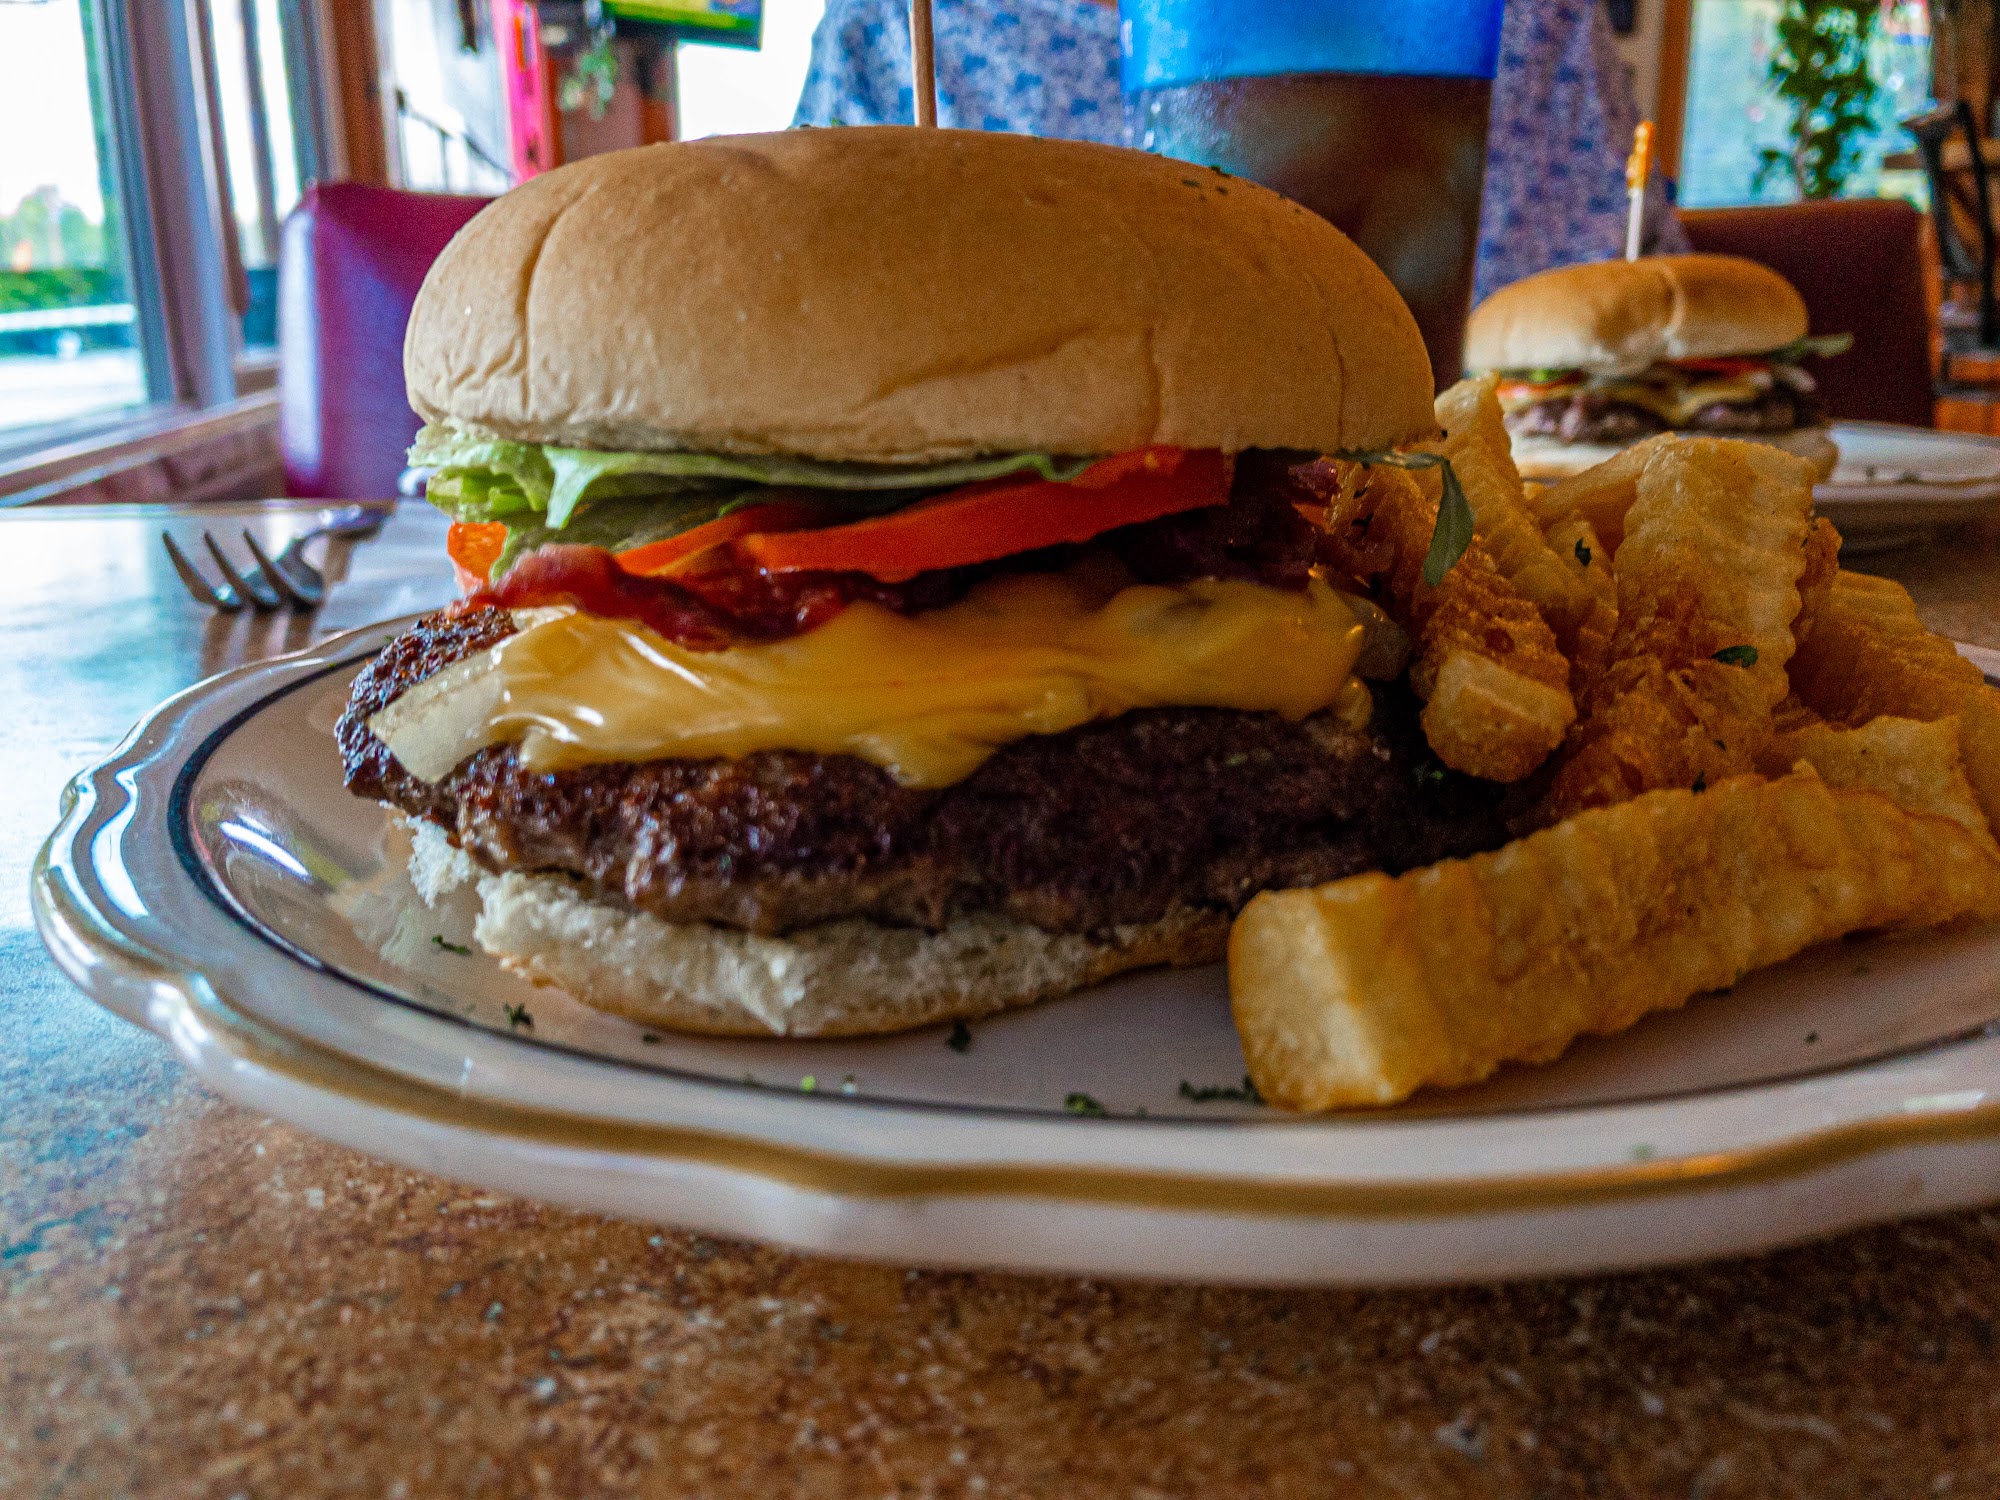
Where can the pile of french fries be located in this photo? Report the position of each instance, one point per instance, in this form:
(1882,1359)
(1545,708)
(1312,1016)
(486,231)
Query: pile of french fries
(1721,749)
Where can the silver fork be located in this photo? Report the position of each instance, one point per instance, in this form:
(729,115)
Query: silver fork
(277,582)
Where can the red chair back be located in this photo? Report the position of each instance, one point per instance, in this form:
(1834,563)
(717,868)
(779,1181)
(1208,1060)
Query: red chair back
(1858,263)
(352,260)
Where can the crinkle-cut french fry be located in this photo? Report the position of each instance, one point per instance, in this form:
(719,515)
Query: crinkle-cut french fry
(1363,991)
(1914,764)
(1822,550)
(1601,494)
(1575,543)
(1720,525)
(1869,654)
(1481,714)
(1475,440)
(1498,720)
(1707,592)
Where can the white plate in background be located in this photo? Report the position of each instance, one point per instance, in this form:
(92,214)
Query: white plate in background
(1893,484)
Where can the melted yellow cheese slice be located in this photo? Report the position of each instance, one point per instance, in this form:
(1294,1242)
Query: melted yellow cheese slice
(926,697)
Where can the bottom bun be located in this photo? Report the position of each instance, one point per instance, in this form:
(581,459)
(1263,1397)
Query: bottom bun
(846,978)
(1547,458)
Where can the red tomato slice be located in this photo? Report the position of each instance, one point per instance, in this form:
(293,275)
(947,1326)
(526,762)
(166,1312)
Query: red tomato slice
(1001,517)
(474,548)
(1723,366)
(669,556)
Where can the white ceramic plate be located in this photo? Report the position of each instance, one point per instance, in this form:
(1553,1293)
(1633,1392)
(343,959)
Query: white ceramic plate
(214,882)
(1895,484)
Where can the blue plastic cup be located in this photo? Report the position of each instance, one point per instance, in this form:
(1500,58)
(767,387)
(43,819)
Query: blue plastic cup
(1371,113)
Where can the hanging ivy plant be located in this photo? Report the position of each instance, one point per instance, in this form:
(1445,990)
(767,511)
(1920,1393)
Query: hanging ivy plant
(1820,69)
(592,79)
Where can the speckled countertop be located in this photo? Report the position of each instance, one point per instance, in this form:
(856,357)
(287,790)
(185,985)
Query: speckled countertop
(198,1301)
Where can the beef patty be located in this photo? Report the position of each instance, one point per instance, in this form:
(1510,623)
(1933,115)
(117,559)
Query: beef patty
(1110,823)
(1591,417)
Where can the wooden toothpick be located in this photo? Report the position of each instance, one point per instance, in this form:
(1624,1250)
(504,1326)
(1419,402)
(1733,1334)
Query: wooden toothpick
(1638,167)
(923,66)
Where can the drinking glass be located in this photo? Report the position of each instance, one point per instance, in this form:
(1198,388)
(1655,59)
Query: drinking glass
(1371,113)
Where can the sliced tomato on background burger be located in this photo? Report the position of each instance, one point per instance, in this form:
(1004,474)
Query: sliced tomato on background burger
(1725,367)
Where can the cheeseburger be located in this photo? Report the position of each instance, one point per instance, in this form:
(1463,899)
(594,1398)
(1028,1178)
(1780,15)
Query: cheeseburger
(888,594)
(1594,358)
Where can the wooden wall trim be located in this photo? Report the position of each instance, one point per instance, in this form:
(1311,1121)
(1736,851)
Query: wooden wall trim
(229,452)
(1676,36)
(354,63)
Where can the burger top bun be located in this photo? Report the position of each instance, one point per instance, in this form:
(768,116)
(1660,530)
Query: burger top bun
(1616,317)
(895,294)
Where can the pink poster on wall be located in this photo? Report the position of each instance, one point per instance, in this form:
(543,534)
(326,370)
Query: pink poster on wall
(529,113)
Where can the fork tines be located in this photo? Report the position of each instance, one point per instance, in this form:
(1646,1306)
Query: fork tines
(238,587)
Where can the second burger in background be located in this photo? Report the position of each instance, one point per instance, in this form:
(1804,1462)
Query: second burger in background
(1594,358)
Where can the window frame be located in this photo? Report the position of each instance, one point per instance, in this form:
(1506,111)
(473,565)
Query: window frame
(153,67)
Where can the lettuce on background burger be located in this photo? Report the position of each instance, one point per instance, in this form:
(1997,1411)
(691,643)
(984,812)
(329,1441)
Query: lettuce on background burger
(888,596)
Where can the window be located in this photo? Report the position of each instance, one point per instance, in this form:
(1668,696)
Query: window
(261,147)
(1733,115)
(727,91)
(451,110)
(69,349)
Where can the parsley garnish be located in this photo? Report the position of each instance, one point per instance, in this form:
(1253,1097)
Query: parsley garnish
(1203,1093)
(1429,775)
(960,1039)
(650,1038)
(437,938)
(808,1084)
(1453,532)
(518,1017)
(1582,552)
(1083,1104)
(1737,656)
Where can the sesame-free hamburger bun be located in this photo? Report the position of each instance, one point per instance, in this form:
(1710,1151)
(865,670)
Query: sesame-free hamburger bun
(1618,317)
(892,294)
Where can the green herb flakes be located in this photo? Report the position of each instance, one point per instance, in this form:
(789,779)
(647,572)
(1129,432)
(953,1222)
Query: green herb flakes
(960,1039)
(518,1018)
(1245,1093)
(437,941)
(1083,1104)
(1737,656)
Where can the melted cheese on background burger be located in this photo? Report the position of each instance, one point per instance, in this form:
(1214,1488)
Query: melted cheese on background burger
(1672,394)
(928,697)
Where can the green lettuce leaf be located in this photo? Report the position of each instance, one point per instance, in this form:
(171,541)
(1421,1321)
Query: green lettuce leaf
(1825,345)
(616,524)
(488,479)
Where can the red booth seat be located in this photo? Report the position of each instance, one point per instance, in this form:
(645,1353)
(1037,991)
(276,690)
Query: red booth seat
(352,260)
(1859,265)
